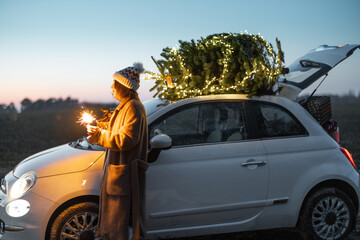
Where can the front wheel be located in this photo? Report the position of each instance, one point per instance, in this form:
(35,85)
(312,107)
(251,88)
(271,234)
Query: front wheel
(328,213)
(78,221)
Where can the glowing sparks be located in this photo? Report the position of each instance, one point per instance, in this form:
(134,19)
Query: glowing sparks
(86,118)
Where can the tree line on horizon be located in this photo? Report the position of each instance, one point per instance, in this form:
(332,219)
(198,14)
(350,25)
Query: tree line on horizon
(51,103)
(28,105)
(71,103)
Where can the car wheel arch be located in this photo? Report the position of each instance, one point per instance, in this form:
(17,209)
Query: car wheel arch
(67,204)
(340,184)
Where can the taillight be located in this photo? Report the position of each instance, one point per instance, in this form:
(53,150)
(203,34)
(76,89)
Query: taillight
(348,156)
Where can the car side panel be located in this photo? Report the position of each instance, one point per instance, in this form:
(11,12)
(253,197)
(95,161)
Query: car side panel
(306,162)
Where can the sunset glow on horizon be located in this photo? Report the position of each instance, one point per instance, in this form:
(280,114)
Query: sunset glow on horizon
(60,49)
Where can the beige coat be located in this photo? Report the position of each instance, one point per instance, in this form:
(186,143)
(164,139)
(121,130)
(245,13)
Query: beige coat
(122,197)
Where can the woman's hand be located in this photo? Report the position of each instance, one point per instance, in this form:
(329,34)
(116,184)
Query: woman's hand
(93,133)
(91,130)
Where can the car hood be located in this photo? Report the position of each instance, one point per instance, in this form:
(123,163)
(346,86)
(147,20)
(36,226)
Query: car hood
(58,160)
(309,68)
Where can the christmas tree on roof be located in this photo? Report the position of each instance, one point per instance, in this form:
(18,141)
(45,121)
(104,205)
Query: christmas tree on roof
(218,64)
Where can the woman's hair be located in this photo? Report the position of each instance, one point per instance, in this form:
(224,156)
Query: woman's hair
(123,92)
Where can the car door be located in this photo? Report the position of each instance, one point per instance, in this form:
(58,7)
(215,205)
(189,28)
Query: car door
(289,148)
(214,173)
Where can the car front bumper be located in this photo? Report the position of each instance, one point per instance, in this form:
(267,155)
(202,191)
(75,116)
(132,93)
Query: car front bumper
(31,226)
(4,227)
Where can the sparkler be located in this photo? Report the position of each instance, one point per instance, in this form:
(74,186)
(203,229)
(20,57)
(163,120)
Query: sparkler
(86,119)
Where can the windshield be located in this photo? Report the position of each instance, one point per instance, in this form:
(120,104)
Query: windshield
(154,105)
(83,144)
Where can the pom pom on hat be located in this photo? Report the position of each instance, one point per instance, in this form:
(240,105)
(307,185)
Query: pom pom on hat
(130,76)
(139,67)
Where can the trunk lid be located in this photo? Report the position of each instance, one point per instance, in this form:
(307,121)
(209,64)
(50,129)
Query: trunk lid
(310,67)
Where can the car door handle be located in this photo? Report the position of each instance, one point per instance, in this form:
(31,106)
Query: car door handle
(253,162)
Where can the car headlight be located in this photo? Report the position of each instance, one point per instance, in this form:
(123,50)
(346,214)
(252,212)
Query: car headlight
(23,185)
(17,208)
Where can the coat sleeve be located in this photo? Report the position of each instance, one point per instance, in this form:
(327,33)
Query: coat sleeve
(124,138)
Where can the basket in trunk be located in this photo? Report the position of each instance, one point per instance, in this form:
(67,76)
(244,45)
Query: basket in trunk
(320,108)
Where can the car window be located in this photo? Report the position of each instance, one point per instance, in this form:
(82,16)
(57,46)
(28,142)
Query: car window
(275,121)
(203,123)
(181,126)
(223,122)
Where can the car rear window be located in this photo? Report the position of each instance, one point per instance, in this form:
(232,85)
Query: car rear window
(275,121)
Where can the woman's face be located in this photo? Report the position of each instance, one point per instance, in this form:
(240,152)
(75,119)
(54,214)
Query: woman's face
(118,94)
(115,94)
(113,89)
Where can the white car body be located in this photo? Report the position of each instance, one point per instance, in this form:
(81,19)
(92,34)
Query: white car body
(197,189)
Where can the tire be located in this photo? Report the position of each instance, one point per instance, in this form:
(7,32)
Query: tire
(328,213)
(78,221)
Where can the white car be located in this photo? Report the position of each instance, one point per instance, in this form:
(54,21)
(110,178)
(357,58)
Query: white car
(219,164)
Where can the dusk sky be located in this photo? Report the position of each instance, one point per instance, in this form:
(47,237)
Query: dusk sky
(72,48)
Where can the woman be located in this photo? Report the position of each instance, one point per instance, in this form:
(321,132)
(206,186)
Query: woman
(123,180)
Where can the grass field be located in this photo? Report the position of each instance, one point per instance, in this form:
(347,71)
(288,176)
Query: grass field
(348,117)
(24,134)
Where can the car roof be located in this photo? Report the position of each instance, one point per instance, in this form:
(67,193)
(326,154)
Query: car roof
(222,97)
(215,97)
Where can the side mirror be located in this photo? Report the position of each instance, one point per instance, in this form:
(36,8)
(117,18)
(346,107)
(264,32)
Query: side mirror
(161,142)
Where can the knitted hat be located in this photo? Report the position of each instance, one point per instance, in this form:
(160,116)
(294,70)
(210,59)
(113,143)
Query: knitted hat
(129,77)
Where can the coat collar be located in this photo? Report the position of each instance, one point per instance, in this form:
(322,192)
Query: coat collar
(122,104)
(116,111)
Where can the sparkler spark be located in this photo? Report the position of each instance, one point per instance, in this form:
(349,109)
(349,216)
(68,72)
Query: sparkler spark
(86,119)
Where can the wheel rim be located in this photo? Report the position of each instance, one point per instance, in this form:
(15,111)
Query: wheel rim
(81,226)
(330,218)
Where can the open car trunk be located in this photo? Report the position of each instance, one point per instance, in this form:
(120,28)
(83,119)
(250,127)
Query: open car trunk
(305,71)
(310,67)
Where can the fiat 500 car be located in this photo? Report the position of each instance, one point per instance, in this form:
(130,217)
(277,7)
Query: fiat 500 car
(218,164)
